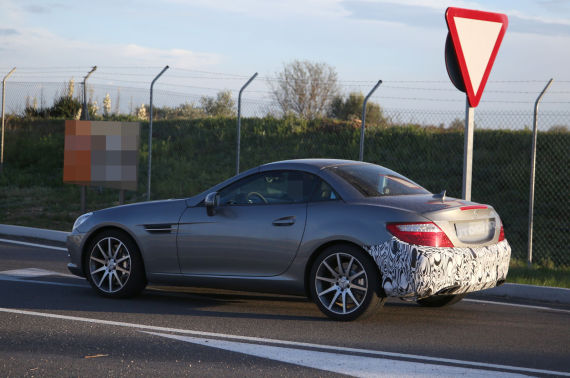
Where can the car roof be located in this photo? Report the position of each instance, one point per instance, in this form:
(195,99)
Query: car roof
(315,166)
(309,163)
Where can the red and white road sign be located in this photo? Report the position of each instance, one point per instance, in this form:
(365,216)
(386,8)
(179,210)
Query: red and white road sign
(476,38)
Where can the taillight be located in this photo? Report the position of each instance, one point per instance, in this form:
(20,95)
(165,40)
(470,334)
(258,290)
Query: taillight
(473,207)
(502,234)
(420,234)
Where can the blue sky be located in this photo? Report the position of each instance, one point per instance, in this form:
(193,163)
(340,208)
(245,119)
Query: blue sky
(364,40)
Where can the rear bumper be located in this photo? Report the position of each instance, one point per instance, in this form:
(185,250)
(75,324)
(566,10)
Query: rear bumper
(419,272)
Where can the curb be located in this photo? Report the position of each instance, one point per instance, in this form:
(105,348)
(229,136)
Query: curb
(508,290)
(34,234)
(528,292)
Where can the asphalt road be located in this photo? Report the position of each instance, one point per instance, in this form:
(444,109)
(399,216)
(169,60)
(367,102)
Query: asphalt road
(54,324)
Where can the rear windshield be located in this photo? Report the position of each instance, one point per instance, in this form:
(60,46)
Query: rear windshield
(375,181)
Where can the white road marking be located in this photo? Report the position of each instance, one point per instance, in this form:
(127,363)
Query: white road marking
(14,279)
(517,305)
(34,272)
(349,364)
(16,275)
(33,245)
(334,349)
(24,275)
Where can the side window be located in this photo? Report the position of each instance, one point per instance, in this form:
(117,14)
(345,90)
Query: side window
(274,187)
(323,192)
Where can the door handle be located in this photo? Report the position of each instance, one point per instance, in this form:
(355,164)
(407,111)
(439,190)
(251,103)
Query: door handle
(285,221)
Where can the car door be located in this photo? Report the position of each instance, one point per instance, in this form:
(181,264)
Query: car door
(255,231)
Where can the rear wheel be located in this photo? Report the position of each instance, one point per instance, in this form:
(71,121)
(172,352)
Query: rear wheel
(343,283)
(440,300)
(113,265)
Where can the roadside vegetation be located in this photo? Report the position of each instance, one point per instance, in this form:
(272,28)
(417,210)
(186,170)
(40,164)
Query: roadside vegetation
(191,155)
(545,274)
(194,148)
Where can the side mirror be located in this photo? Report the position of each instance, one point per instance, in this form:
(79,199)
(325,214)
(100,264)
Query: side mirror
(211,201)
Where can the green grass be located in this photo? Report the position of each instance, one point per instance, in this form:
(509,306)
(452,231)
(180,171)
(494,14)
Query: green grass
(54,208)
(59,207)
(541,275)
(191,155)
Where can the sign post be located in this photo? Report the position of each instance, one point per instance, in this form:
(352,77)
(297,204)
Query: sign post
(3,106)
(468,152)
(472,45)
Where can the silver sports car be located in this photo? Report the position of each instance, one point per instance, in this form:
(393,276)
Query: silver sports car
(346,234)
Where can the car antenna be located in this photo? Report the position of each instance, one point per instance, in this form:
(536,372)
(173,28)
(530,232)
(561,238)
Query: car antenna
(440,195)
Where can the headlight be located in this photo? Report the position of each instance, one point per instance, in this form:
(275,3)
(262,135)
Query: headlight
(79,221)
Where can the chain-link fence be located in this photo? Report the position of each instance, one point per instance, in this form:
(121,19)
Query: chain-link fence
(418,131)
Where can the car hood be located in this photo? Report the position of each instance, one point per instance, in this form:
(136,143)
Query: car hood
(421,203)
(164,212)
(147,205)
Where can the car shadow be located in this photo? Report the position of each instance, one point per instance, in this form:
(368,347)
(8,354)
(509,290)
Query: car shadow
(78,297)
(36,295)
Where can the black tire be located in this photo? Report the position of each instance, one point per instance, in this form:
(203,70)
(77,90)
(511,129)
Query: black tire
(329,285)
(113,265)
(440,300)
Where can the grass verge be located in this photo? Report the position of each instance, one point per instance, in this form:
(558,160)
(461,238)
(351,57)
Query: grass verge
(54,208)
(540,275)
(57,208)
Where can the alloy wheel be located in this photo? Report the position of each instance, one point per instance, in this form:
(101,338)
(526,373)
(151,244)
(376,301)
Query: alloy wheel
(110,264)
(341,283)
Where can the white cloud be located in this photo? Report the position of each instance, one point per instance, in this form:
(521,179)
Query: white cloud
(326,9)
(543,56)
(25,47)
(179,58)
(433,4)
(416,13)
(543,20)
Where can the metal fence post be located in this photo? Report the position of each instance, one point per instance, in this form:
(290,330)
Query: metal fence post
(85,108)
(468,151)
(83,188)
(3,106)
(150,133)
(533,171)
(239,121)
(361,153)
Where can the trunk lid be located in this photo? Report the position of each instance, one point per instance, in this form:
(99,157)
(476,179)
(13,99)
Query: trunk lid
(469,225)
(466,223)
(419,203)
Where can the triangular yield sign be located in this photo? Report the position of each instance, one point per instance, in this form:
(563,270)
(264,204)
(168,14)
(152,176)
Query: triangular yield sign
(476,37)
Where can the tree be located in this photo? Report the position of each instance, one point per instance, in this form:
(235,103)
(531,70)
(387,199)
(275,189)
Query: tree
(32,111)
(351,108)
(93,108)
(457,124)
(187,110)
(142,113)
(65,107)
(70,88)
(107,106)
(118,102)
(558,129)
(184,111)
(305,88)
(221,106)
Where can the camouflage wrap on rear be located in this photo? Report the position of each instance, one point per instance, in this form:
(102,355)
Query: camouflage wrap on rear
(419,271)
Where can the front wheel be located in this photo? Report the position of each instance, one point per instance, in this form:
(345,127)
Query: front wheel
(113,265)
(440,300)
(343,283)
